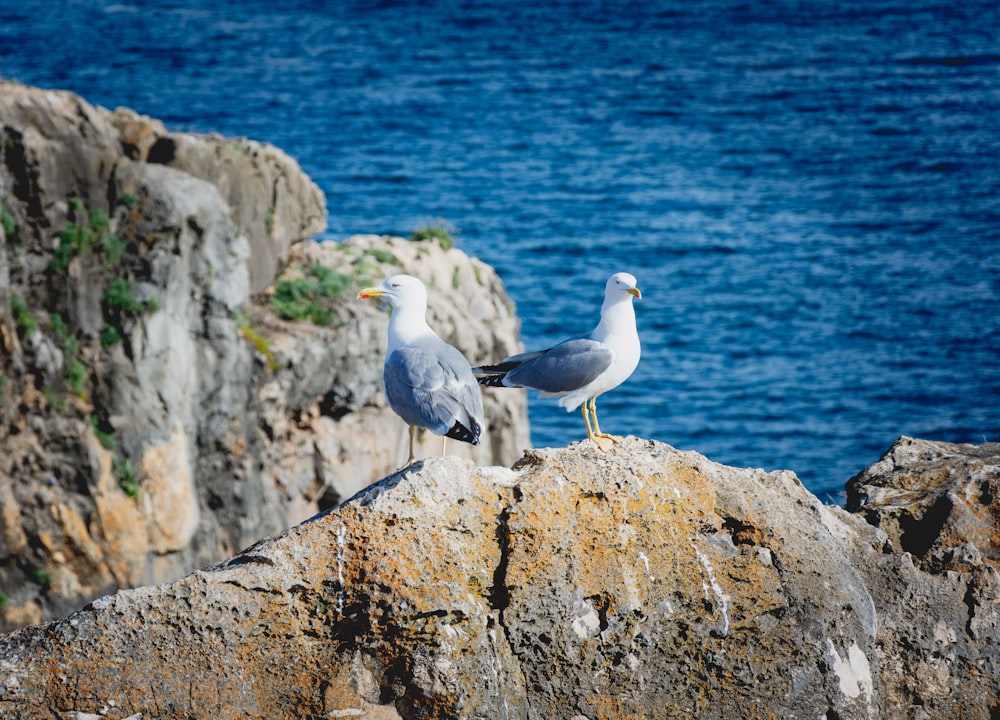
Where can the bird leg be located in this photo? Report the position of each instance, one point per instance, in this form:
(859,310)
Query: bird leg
(601,439)
(586,419)
(444,444)
(413,431)
(593,412)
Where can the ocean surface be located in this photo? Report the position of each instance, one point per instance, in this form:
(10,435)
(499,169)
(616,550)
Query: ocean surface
(808,193)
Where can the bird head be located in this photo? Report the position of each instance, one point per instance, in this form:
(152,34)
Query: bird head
(398,291)
(622,282)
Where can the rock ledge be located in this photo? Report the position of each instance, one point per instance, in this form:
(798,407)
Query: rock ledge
(644,582)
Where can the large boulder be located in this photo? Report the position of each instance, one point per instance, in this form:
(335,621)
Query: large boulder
(641,582)
(938,584)
(157,412)
(938,501)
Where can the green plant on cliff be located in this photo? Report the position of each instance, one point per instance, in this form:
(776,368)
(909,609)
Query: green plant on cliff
(75,372)
(3,601)
(7,220)
(69,343)
(120,296)
(312,296)
(76,377)
(112,248)
(120,302)
(3,384)
(440,232)
(75,239)
(105,437)
(260,343)
(128,480)
(23,317)
(110,335)
(87,229)
(41,577)
(382,256)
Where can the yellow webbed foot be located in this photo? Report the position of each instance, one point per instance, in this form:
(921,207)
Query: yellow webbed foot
(604,442)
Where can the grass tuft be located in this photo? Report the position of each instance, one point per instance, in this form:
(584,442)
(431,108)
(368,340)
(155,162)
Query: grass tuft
(311,297)
(383,256)
(441,233)
(260,343)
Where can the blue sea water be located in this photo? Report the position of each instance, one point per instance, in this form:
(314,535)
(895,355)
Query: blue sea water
(808,192)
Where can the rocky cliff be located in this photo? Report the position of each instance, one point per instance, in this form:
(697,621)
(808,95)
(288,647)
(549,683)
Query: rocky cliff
(639,583)
(184,373)
(183,370)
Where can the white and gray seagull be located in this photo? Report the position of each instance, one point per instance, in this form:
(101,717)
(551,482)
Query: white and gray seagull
(427,382)
(579,369)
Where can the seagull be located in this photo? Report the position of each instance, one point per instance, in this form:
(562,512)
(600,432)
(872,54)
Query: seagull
(427,382)
(579,369)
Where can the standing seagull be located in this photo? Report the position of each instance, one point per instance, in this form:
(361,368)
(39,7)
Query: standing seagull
(581,368)
(427,382)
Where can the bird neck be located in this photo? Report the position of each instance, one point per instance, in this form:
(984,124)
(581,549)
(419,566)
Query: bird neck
(617,318)
(407,324)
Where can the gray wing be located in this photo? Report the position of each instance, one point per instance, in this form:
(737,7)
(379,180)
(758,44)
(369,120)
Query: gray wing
(562,368)
(431,385)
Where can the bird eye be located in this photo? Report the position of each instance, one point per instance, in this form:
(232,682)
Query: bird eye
(395,285)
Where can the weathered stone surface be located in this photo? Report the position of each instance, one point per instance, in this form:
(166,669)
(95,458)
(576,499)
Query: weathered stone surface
(272,201)
(940,589)
(225,422)
(938,501)
(643,582)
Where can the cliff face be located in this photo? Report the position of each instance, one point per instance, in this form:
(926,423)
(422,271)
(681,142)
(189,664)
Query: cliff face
(159,409)
(643,582)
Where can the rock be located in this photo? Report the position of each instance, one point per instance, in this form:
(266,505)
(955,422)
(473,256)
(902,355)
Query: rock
(272,201)
(290,207)
(643,582)
(166,425)
(938,501)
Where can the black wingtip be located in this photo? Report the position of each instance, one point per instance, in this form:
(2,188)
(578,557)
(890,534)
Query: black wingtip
(500,367)
(490,380)
(461,432)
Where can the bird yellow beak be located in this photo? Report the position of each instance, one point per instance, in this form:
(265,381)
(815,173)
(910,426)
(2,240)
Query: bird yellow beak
(635,291)
(368,292)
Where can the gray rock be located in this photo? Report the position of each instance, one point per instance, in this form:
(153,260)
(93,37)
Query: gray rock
(938,501)
(271,200)
(642,582)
